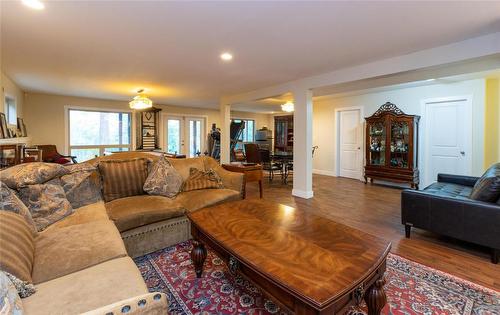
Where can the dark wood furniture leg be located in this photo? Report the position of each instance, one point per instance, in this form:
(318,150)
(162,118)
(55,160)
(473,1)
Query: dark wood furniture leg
(198,256)
(495,255)
(407,230)
(375,297)
(261,189)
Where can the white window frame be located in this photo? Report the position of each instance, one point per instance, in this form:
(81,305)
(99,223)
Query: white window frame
(6,109)
(254,126)
(68,146)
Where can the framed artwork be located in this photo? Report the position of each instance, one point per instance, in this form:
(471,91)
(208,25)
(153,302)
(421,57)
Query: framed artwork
(3,126)
(21,127)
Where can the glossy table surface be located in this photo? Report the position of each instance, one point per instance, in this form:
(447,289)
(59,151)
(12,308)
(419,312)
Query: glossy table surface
(313,257)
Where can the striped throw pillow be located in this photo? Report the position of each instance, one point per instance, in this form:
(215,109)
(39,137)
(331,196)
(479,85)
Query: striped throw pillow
(123,178)
(199,179)
(18,247)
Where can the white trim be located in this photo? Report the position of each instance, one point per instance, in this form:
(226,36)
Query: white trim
(423,137)
(324,172)
(302,193)
(67,108)
(336,135)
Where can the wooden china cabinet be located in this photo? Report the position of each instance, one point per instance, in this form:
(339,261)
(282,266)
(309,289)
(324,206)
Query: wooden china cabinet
(392,146)
(283,133)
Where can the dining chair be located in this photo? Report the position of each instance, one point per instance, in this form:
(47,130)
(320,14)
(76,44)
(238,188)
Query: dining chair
(252,153)
(269,165)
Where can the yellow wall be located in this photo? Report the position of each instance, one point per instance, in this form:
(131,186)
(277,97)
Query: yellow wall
(45,115)
(11,89)
(491,122)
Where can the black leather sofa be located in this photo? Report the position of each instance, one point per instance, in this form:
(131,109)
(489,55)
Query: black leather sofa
(445,208)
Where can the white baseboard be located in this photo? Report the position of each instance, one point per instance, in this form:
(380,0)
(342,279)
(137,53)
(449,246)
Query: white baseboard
(302,193)
(324,172)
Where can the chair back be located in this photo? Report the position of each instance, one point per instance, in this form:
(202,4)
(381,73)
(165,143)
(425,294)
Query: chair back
(252,153)
(265,156)
(49,152)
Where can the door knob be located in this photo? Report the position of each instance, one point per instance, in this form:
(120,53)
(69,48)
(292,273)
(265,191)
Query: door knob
(462,152)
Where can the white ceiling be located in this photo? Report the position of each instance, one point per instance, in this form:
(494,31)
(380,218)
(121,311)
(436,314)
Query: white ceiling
(108,49)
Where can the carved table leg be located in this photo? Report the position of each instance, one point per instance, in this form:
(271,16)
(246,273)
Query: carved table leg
(375,297)
(198,256)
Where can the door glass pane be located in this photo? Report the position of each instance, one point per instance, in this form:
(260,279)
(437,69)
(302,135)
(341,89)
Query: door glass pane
(85,154)
(194,137)
(377,143)
(399,143)
(173,136)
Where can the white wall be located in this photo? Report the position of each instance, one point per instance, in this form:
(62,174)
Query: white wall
(408,100)
(9,88)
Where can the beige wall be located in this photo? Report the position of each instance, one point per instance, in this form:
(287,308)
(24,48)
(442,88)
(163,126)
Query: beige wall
(408,100)
(11,89)
(45,115)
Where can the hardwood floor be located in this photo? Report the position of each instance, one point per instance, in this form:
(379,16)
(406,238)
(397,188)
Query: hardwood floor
(376,209)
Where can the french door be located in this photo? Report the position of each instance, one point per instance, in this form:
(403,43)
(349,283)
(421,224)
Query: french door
(184,135)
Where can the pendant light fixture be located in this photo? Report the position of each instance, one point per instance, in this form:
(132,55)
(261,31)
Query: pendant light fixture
(141,101)
(287,107)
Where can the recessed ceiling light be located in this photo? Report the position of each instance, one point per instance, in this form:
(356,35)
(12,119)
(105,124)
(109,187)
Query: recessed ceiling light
(34,4)
(226,56)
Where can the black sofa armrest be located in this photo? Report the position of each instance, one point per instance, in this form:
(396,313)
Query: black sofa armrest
(458,179)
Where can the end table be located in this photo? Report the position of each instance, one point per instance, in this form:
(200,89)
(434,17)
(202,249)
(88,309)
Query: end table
(253,173)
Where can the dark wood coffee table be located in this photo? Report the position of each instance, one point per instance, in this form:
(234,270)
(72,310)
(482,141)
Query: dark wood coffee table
(307,263)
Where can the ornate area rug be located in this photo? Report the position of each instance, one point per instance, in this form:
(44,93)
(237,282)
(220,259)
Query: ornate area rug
(411,288)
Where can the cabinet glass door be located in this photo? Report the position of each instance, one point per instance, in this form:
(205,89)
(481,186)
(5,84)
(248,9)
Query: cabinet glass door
(400,140)
(377,143)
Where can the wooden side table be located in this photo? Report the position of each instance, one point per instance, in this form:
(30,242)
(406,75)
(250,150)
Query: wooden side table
(253,173)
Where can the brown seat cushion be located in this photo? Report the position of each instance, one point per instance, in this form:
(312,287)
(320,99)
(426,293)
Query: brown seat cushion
(85,214)
(199,179)
(197,199)
(123,178)
(132,212)
(87,289)
(17,245)
(59,252)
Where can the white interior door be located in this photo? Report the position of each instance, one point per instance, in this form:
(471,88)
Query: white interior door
(448,137)
(350,143)
(184,135)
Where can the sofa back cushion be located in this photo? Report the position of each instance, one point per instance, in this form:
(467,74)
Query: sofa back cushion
(123,178)
(18,247)
(31,173)
(487,188)
(199,179)
(163,180)
(183,166)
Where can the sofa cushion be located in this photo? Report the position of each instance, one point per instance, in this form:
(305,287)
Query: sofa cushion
(449,190)
(10,202)
(59,252)
(163,180)
(132,212)
(199,179)
(82,185)
(197,199)
(183,166)
(31,174)
(487,188)
(17,246)
(46,202)
(87,289)
(123,178)
(10,301)
(85,214)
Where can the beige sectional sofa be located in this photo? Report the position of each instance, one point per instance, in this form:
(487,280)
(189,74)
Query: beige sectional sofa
(83,262)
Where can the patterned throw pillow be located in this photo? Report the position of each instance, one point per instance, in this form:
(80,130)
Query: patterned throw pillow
(31,174)
(487,188)
(10,202)
(46,202)
(18,246)
(81,185)
(123,178)
(24,288)
(199,179)
(163,180)
(10,301)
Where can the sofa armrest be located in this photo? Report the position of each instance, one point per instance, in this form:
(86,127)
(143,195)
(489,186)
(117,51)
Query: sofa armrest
(151,303)
(458,179)
(231,180)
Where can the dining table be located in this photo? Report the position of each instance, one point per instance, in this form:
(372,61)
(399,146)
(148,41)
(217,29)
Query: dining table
(284,158)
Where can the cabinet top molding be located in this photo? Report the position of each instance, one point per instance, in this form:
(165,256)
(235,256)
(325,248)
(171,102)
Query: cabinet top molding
(389,107)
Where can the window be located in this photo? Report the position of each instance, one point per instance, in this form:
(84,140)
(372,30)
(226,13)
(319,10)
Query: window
(248,134)
(11,110)
(92,133)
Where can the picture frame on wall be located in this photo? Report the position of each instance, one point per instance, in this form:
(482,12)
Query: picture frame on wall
(21,127)
(3,127)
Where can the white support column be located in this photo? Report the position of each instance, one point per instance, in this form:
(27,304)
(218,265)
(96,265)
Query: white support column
(225,134)
(302,143)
